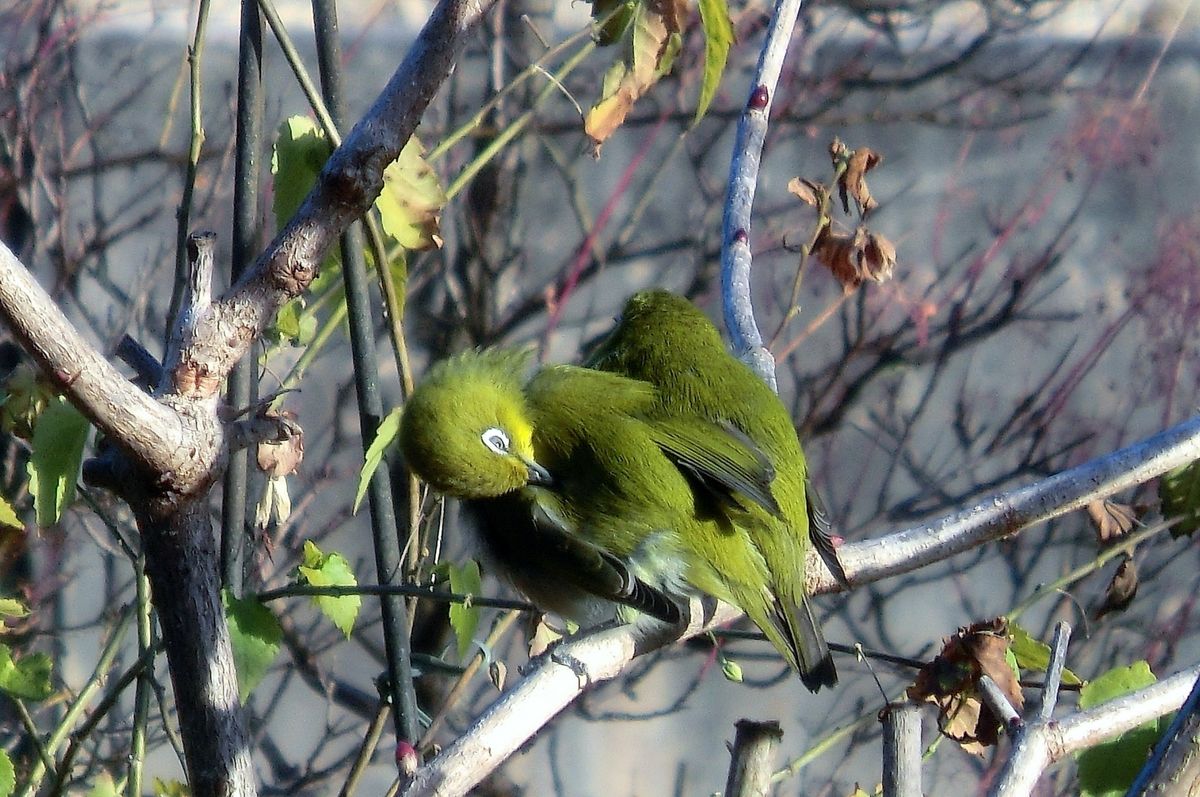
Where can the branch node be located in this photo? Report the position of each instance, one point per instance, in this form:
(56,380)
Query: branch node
(192,379)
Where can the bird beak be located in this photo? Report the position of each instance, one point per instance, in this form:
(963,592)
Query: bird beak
(538,476)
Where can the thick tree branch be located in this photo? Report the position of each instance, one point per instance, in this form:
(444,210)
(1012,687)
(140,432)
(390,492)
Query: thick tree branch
(349,183)
(181,561)
(151,433)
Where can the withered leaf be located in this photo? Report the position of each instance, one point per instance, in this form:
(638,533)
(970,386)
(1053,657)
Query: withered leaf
(282,456)
(656,39)
(1111,520)
(989,646)
(1121,589)
(498,674)
(879,258)
(950,682)
(542,638)
(836,250)
(853,180)
(808,191)
(853,258)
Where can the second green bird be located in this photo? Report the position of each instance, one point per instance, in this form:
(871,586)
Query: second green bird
(592,487)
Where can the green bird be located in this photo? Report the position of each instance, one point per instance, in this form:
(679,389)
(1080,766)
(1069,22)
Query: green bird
(584,497)
(468,431)
(664,339)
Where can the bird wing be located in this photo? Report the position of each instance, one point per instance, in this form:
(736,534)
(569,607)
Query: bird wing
(820,531)
(593,569)
(719,457)
(555,568)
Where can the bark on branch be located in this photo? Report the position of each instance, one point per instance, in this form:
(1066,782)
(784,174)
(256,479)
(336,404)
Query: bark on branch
(167,453)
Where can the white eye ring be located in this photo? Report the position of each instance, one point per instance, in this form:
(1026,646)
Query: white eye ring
(496,440)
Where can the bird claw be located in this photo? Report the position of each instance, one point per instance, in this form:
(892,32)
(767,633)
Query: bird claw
(573,664)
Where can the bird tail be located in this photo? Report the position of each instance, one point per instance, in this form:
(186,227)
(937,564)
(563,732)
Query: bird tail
(810,654)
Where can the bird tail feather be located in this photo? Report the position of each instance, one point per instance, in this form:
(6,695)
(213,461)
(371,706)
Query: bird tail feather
(811,656)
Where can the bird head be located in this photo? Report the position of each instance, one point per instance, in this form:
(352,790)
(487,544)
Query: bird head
(466,430)
(656,325)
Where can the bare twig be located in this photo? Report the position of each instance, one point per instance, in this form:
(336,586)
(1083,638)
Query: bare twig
(739,201)
(1007,513)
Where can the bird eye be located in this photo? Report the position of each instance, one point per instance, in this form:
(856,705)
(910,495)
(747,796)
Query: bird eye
(496,440)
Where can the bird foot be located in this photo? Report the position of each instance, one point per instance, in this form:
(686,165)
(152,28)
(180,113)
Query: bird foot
(573,664)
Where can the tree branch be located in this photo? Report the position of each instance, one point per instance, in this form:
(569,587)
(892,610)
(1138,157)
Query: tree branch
(1007,513)
(551,685)
(350,181)
(736,255)
(149,432)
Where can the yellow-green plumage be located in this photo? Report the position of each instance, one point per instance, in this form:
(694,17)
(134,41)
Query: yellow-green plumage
(451,433)
(613,488)
(665,340)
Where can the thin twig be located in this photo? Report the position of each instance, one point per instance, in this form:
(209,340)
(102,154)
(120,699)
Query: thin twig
(736,254)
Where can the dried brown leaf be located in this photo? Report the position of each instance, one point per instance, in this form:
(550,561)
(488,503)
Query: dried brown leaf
(278,458)
(809,192)
(542,638)
(950,682)
(498,674)
(1121,589)
(1111,520)
(853,258)
(879,258)
(989,646)
(837,251)
(854,180)
(656,26)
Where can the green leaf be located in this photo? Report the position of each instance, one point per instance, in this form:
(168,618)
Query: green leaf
(58,440)
(103,786)
(255,636)
(1179,492)
(331,570)
(389,427)
(1116,682)
(1108,769)
(731,670)
(11,607)
(300,152)
(611,19)
(294,324)
(464,618)
(412,199)
(8,775)
(718,38)
(1033,654)
(170,788)
(8,516)
(27,677)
